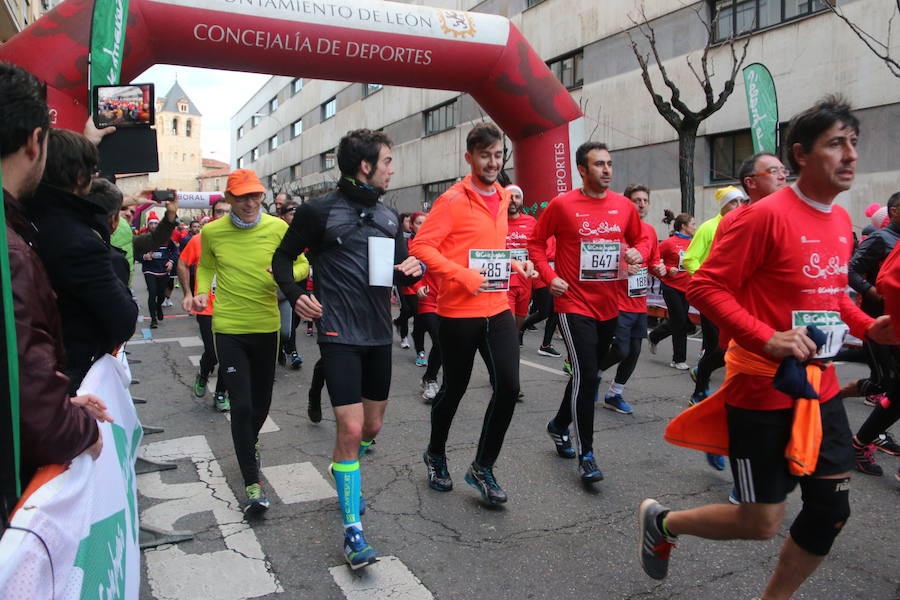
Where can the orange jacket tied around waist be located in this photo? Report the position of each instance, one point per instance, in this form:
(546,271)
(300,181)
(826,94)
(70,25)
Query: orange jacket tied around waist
(704,426)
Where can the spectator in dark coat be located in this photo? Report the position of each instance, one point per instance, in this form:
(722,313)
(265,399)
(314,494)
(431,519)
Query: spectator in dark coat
(97,310)
(54,427)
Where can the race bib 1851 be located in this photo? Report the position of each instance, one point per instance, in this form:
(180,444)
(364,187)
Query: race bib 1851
(831,325)
(639,283)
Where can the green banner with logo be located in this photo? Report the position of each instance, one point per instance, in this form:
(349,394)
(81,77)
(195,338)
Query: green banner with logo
(762,105)
(108,41)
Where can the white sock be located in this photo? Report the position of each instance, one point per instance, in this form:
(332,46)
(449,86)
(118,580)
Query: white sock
(616,388)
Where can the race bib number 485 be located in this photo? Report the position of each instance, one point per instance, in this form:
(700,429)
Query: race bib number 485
(599,261)
(494,265)
(831,325)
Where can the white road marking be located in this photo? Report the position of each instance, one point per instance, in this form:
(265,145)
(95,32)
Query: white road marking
(298,482)
(241,571)
(195,359)
(528,363)
(184,342)
(269,425)
(387,579)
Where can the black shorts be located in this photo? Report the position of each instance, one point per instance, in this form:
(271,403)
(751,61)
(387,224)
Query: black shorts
(631,325)
(356,372)
(758,438)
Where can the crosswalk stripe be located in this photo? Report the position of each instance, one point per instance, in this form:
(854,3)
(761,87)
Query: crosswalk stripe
(269,425)
(298,482)
(533,365)
(184,342)
(387,579)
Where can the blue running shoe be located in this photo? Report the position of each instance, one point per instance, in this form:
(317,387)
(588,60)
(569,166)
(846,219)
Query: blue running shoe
(561,440)
(357,551)
(694,374)
(483,480)
(588,469)
(716,461)
(735,496)
(616,403)
(697,398)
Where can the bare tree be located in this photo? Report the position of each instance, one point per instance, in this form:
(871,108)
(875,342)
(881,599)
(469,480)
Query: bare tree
(881,49)
(675,111)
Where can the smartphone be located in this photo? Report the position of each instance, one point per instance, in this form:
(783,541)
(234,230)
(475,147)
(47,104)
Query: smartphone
(161,196)
(130,105)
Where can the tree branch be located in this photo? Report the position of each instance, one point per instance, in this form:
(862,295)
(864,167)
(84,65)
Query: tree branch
(880,49)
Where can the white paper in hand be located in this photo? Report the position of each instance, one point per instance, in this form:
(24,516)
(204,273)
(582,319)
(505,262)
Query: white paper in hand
(381,261)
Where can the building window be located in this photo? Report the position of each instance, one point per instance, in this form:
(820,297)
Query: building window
(434,190)
(728,151)
(240,132)
(371,88)
(254,120)
(327,159)
(736,17)
(440,118)
(329,109)
(296,85)
(531,3)
(175,126)
(182,107)
(273,142)
(187,128)
(296,171)
(240,162)
(568,69)
(296,128)
(273,104)
(255,155)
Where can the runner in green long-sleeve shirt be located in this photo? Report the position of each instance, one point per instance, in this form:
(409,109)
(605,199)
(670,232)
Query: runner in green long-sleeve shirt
(238,252)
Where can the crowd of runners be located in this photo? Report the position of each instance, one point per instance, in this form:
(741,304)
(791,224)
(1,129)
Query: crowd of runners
(769,275)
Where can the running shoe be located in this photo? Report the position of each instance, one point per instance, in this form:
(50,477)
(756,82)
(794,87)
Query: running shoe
(314,406)
(697,398)
(404,343)
(873,400)
(221,403)
(483,480)
(588,469)
(616,403)
(199,386)
(734,496)
(561,440)
(681,366)
(716,461)
(865,461)
(153,324)
(429,391)
(296,361)
(885,442)
(256,500)
(549,350)
(694,374)
(654,546)
(357,551)
(167,303)
(520,397)
(438,475)
(421,361)
(309,331)
(652,347)
(567,367)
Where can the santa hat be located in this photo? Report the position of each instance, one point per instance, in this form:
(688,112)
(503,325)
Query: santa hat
(872,209)
(152,218)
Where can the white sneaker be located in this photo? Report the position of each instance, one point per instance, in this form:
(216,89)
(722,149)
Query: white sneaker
(680,366)
(430,391)
(404,343)
(167,303)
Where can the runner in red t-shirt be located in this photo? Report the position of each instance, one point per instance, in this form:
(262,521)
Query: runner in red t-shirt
(520,228)
(781,265)
(673,287)
(593,227)
(631,325)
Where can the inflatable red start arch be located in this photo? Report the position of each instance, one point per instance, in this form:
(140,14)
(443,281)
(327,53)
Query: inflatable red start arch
(347,40)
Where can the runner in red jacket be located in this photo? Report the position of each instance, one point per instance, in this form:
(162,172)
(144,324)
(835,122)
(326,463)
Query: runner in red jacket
(781,266)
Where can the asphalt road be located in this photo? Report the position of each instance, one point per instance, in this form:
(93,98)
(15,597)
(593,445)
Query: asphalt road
(556,538)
